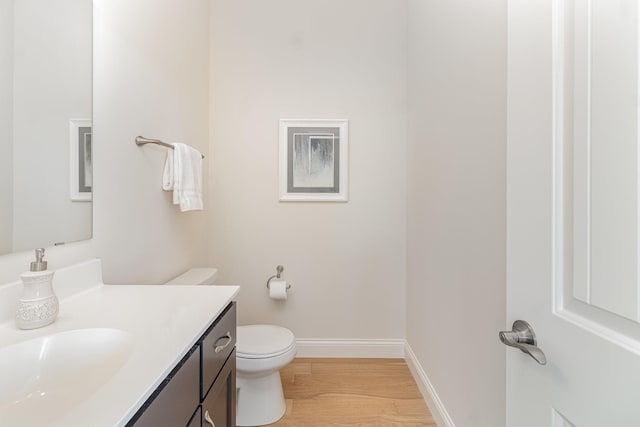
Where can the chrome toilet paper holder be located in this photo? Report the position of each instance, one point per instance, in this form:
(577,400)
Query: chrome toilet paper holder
(279,270)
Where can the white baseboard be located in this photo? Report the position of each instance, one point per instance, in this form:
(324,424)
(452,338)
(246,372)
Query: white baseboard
(350,348)
(434,403)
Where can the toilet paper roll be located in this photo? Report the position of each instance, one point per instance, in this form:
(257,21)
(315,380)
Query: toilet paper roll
(278,289)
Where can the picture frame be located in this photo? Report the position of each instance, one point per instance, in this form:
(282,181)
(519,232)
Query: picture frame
(80,160)
(314,160)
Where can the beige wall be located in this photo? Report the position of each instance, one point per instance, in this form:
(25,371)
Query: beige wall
(311,59)
(151,79)
(456,229)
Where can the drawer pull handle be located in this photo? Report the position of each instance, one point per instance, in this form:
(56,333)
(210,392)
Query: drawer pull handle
(218,348)
(208,419)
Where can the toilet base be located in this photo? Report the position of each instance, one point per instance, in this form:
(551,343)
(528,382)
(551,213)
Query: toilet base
(260,400)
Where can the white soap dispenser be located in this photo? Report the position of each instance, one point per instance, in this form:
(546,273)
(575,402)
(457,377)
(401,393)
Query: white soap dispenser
(38,305)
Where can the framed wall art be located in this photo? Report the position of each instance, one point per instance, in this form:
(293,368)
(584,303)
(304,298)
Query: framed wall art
(314,159)
(80,160)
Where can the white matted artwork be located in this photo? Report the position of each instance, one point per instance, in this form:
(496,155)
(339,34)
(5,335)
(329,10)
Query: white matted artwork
(80,160)
(314,159)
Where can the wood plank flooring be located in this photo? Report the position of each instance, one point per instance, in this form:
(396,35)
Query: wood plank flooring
(352,393)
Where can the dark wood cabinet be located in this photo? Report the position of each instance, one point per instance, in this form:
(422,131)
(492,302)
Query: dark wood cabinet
(217,345)
(174,402)
(219,405)
(196,420)
(201,389)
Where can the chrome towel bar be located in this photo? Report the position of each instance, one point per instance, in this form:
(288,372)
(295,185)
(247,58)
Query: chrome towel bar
(141,140)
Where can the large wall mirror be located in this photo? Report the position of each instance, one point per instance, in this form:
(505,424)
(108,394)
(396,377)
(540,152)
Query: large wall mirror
(45,123)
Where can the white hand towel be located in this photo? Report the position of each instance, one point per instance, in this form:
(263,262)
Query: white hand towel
(183,174)
(167,174)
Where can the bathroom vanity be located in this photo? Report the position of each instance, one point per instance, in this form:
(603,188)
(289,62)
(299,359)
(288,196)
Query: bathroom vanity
(201,389)
(120,355)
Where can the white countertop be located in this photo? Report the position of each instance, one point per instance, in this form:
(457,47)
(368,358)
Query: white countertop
(165,322)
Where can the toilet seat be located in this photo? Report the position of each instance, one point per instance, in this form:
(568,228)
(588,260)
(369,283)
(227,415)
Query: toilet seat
(263,341)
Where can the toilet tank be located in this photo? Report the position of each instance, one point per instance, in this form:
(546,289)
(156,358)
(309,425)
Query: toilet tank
(196,276)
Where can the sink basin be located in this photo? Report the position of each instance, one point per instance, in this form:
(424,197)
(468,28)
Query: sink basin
(45,377)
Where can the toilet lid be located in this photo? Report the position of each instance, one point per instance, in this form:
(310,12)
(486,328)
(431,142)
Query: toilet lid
(262,341)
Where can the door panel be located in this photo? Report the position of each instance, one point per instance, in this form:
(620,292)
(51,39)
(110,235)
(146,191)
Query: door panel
(596,112)
(572,185)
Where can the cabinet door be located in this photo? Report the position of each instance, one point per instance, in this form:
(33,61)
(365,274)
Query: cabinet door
(175,401)
(196,421)
(219,406)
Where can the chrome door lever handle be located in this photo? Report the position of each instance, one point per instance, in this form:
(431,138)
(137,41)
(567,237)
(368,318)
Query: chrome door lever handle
(522,337)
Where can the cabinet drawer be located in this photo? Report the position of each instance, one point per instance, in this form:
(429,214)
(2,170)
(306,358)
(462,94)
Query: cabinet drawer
(219,406)
(176,399)
(217,346)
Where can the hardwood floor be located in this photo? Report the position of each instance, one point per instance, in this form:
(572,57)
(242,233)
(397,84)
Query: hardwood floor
(350,393)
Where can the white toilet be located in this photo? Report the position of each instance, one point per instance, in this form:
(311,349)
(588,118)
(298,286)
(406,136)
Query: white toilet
(261,351)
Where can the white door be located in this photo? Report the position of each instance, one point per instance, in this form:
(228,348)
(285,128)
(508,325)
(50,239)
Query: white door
(572,211)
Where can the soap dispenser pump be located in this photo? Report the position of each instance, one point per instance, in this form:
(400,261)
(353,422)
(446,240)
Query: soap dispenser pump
(38,305)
